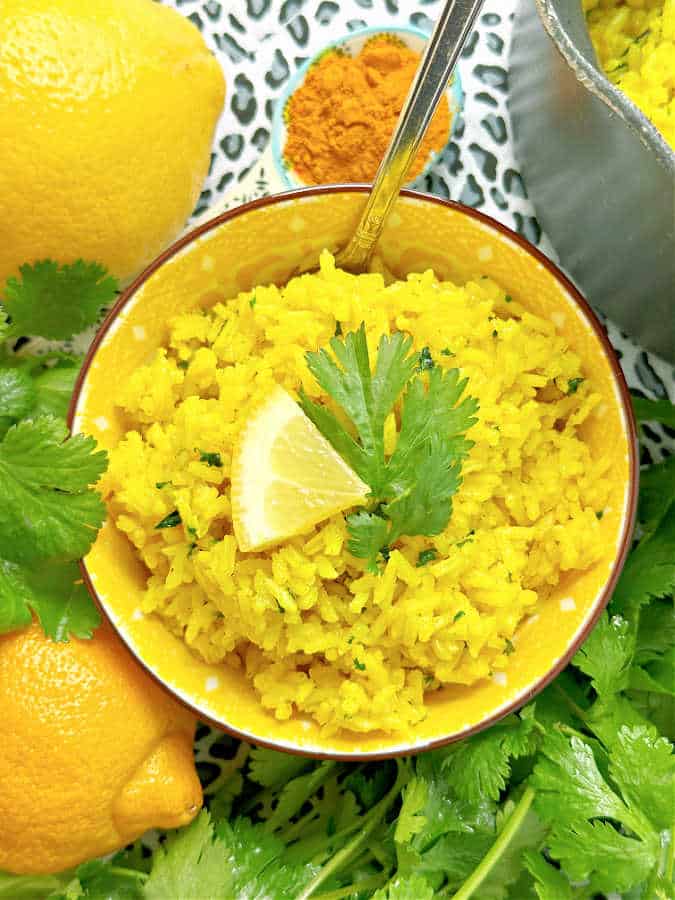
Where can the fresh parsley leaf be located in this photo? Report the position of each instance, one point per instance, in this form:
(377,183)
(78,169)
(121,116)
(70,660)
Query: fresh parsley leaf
(607,654)
(367,536)
(17,393)
(48,509)
(662,410)
(55,594)
(57,302)
(273,769)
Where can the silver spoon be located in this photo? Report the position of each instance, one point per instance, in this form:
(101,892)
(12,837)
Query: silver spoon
(431,79)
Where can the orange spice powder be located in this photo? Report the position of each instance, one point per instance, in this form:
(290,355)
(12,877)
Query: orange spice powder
(340,120)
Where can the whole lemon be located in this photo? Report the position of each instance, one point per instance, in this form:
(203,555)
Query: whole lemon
(107,114)
(93,753)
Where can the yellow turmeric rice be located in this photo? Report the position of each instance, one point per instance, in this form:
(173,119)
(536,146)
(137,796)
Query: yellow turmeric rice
(635,44)
(299,615)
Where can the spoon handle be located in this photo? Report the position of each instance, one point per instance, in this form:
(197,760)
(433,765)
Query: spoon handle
(429,84)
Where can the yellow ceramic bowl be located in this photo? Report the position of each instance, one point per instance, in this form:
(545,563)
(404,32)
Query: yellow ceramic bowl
(264,241)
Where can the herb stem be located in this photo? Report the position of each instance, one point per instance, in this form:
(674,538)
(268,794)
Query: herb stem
(229,768)
(373,882)
(491,858)
(128,873)
(577,710)
(370,822)
(670,858)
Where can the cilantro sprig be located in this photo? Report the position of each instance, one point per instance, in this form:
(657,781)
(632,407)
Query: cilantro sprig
(49,512)
(411,490)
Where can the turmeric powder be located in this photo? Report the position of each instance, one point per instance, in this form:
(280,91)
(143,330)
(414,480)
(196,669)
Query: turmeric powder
(340,120)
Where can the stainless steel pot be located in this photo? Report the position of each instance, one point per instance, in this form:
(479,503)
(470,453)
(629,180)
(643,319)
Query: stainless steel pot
(601,176)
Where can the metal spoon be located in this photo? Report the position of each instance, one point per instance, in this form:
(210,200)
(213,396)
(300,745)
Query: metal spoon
(431,79)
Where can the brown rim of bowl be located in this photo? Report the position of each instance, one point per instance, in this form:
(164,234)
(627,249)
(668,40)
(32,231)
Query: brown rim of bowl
(630,514)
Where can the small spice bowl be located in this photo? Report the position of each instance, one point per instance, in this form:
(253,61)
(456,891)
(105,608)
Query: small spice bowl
(351,45)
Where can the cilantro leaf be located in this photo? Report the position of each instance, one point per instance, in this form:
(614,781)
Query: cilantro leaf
(57,302)
(253,865)
(657,490)
(48,510)
(654,410)
(369,788)
(367,399)
(54,388)
(55,594)
(17,393)
(425,506)
(643,765)
(550,883)
(607,654)
(415,887)
(273,769)
(596,850)
(429,412)
(413,488)
(32,887)
(189,864)
(480,766)
(574,797)
(650,568)
(368,534)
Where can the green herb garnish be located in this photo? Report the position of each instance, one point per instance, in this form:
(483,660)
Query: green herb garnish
(161,484)
(446,351)
(509,647)
(170,521)
(183,364)
(412,489)
(573,385)
(359,665)
(211,459)
(426,556)
(425,360)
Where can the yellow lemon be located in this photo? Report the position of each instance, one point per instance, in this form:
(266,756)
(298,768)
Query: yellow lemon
(92,754)
(107,113)
(286,476)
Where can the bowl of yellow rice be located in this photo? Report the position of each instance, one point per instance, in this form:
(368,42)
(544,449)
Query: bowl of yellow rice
(228,563)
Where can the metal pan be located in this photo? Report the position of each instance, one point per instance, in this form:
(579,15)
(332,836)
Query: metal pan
(601,176)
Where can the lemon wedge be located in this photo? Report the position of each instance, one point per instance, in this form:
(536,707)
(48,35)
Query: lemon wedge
(286,476)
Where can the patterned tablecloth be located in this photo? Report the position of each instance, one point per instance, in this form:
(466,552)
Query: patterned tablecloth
(260,43)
